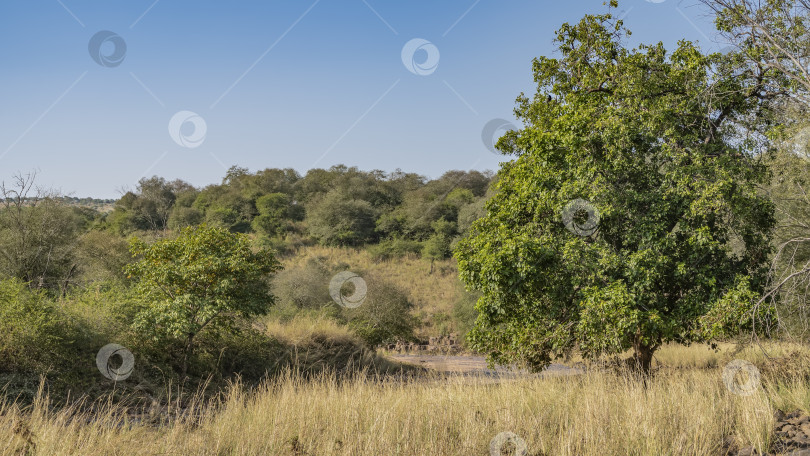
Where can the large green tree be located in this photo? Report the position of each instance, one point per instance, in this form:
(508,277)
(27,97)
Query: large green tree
(202,279)
(665,149)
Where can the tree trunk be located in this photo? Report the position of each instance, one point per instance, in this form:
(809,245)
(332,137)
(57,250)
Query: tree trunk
(186,355)
(642,355)
(66,282)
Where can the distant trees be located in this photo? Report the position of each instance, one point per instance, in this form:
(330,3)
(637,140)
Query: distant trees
(339,219)
(383,316)
(339,206)
(274,209)
(38,235)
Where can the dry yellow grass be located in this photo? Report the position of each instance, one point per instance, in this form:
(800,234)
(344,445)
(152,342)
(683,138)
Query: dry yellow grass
(303,328)
(681,412)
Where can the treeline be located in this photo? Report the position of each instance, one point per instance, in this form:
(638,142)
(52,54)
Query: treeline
(339,206)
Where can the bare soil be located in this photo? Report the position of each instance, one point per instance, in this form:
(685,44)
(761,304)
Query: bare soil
(476,366)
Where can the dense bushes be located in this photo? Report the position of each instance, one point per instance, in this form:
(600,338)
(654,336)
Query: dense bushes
(33,335)
(395,248)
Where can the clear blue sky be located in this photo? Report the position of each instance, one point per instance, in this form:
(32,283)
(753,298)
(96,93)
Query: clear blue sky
(298,84)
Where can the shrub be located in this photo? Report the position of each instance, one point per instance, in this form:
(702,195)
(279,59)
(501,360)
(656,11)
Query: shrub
(202,280)
(384,316)
(394,248)
(303,287)
(464,312)
(32,333)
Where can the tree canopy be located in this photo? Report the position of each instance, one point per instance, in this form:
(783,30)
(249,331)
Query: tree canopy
(666,148)
(202,278)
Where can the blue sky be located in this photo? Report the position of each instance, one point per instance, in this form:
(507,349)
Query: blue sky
(298,84)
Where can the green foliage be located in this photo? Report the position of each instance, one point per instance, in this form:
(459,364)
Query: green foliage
(469,213)
(384,316)
(273,209)
(682,226)
(303,287)
(185,216)
(153,203)
(203,278)
(337,219)
(437,247)
(464,313)
(790,167)
(37,242)
(394,248)
(32,332)
(101,256)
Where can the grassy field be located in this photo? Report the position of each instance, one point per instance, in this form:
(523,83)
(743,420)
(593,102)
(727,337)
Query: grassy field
(685,410)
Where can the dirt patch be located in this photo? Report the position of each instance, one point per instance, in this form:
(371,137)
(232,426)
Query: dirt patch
(476,366)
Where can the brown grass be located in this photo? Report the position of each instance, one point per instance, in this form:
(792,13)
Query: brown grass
(681,412)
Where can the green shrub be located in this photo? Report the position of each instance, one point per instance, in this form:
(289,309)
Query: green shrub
(182,217)
(32,332)
(303,287)
(395,248)
(464,313)
(384,316)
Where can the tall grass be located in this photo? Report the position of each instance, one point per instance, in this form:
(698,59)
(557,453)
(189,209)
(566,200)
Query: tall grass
(680,412)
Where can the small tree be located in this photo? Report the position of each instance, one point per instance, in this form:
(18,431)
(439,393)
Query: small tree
(437,247)
(201,280)
(38,233)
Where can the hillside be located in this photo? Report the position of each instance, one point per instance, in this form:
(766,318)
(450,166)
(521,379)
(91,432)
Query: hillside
(433,294)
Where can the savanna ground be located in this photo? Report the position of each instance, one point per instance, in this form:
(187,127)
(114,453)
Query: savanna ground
(686,409)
